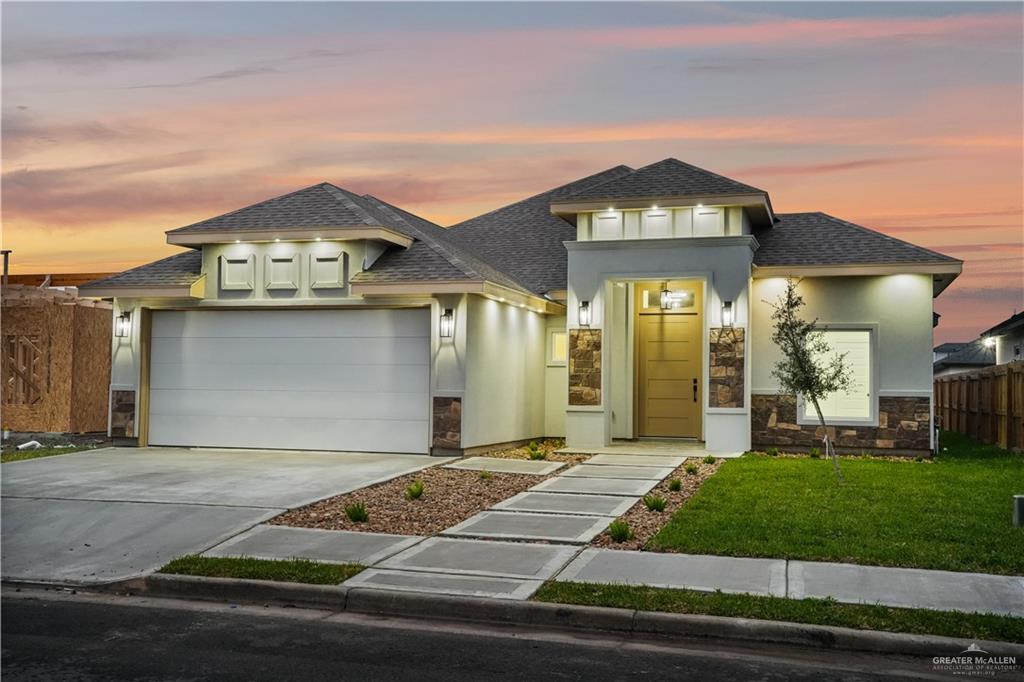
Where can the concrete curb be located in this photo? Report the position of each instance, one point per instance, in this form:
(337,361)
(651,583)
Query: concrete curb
(388,603)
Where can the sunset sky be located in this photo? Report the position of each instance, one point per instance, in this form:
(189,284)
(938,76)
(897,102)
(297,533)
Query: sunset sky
(121,121)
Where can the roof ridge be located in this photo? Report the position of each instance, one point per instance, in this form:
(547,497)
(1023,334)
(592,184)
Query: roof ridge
(348,198)
(883,235)
(550,191)
(244,208)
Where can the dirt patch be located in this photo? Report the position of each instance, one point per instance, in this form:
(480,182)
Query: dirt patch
(547,446)
(449,496)
(645,523)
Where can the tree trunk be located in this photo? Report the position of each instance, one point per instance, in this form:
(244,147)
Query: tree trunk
(830,448)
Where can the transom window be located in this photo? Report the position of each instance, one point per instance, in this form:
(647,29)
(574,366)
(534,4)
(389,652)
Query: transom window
(856,403)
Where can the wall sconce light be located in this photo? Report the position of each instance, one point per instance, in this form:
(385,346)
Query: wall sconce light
(123,324)
(990,341)
(666,299)
(446,325)
(584,314)
(727,313)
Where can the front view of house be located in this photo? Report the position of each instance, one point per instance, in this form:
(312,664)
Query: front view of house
(628,304)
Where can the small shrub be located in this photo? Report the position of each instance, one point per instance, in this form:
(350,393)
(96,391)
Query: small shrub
(691,469)
(537,453)
(919,458)
(357,513)
(815,453)
(655,503)
(709,459)
(772,452)
(620,530)
(414,491)
(485,475)
(675,485)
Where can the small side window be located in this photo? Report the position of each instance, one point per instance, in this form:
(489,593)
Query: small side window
(558,348)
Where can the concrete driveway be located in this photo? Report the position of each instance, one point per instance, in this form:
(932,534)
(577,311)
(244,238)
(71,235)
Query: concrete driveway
(117,513)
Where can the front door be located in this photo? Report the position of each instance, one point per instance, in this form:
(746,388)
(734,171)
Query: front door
(669,324)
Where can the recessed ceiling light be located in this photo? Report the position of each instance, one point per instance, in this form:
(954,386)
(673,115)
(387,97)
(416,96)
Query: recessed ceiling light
(277,239)
(318,238)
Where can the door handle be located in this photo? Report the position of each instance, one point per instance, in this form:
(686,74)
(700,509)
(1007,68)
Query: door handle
(694,390)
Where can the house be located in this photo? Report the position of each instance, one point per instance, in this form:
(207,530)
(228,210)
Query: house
(946,349)
(1007,339)
(970,356)
(633,303)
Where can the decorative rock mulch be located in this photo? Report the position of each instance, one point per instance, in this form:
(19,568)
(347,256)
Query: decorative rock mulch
(845,457)
(449,497)
(547,445)
(644,523)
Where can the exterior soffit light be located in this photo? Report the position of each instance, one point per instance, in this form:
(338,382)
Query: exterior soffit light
(584,314)
(446,323)
(123,324)
(727,318)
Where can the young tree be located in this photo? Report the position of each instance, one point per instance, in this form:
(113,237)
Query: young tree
(808,367)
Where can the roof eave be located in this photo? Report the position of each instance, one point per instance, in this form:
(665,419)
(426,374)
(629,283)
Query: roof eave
(757,203)
(486,288)
(943,272)
(195,289)
(303,234)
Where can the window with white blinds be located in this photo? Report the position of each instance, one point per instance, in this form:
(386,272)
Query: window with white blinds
(854,404)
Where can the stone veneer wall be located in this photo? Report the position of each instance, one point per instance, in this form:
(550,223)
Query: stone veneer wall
(584,366)
(725,367)
(122,414)
(447,423)
(904,424)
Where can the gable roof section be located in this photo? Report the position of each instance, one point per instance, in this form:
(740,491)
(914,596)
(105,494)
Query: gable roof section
(1012,322)
(526,238)
(820,239)
(666,178)
(973,354)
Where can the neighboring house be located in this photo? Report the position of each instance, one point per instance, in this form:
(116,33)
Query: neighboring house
(946,349)
(627,304)
(1007,338)
(971,356)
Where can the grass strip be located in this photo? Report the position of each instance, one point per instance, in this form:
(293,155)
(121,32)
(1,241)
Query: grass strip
(288,571)
(808,611)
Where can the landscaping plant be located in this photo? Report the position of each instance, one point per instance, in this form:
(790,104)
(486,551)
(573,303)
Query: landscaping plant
(655,503)
(691,469)
(414,490)
(485,475)
(675,485)
(620,530)
(772,452)
(535,452)
(815,453)
(809,367)
(709,459)
(357,513)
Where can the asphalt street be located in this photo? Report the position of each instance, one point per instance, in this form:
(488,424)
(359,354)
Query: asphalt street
(55,636)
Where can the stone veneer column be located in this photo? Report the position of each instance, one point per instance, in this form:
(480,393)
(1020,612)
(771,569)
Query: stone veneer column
(447,423)
(584,366)
(122,414)
(725,367)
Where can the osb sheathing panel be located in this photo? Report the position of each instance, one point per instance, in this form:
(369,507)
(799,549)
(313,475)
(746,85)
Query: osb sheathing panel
(77,343)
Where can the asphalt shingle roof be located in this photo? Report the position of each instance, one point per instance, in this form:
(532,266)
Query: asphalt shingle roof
(181,269)
(976,353)
(317,206)
(820,239)
(1012,322)
(526,238)
(667,178)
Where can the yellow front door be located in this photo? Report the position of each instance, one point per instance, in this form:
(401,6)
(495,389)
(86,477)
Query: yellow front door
(668,356)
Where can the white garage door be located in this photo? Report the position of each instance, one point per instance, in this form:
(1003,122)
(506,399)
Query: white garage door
(303,379)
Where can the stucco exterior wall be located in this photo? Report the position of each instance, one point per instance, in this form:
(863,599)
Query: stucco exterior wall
(556,385)
(505,374)
(1007,344)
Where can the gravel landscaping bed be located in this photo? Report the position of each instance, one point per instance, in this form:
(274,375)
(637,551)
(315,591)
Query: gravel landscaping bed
(547,445)
(449,497)
(644,523)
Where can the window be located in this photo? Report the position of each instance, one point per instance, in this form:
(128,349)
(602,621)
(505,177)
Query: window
(855,404)
(558,348)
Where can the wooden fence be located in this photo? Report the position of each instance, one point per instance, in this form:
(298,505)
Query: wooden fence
(986,404)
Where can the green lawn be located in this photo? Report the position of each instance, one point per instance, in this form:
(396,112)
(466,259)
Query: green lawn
(290,571)
(19,455)
(813,611)
(953,514)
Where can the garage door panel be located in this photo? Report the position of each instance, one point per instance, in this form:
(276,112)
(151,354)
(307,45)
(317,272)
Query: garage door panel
(293,351)
(298,404)
(263,377)
(258,324)
(310,380)
(291,434)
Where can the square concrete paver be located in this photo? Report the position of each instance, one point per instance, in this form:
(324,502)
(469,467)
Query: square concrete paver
(440,583)
(332,546)
(568,503)
(505,465)
(483,557)
(617,471)
(908,587)
(573,529)
(639,460)
(595,486)
(708,573)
